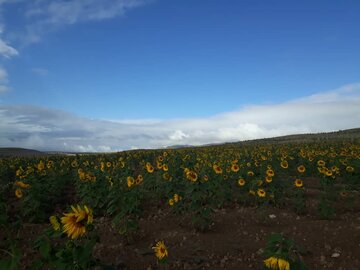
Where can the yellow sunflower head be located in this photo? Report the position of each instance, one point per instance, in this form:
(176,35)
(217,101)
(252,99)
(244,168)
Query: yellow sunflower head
(160,250)
(261,193)
(284,164)
(18,193)
(298,183)
(235,168)
(301,169)
(241,182)
(74,223)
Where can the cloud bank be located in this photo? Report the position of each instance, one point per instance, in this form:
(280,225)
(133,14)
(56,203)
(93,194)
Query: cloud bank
(50,129)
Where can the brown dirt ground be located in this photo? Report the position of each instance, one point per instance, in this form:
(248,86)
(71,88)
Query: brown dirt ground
(235,241)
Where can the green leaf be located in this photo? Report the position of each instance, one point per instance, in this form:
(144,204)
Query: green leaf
(45,248)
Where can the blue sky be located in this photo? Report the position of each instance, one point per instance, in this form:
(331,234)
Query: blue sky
(134,61)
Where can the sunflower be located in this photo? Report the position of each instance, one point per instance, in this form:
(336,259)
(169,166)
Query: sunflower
(206,178)
(130,181)
(192,176)
(328,172)
(22,184)
(149,167)
(261,193)
(75,222)
(165,168)
(321,163)
(235,167)
(283,264)
(171,202)
(18,193)
(277,263)
(270,172)
(301,169)
(177,197)
(139,179)
(217,169)
(343,194)
(350,169)
(55,223)
(160,250)
(298,183)
(284,164)
(50,164)
(167,176)
(250,173)
(241,182)
(102,166)
(74,163)
(271,262)
(41,166)
(268,179)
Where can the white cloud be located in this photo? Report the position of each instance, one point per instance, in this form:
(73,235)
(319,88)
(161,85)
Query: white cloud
(178,135)
(4,88)
(40,128)
(48,16)
(40,71)
(6,50)
(3,80)
(3,75)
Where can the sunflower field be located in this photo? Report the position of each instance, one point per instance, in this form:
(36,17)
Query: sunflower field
(235,206)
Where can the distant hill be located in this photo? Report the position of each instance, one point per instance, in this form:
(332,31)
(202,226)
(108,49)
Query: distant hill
(20,152)
(348,135)
(351,135)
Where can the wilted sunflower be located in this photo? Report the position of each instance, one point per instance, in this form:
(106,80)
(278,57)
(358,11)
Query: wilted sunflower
(298,183)
(160,250)
(75,222)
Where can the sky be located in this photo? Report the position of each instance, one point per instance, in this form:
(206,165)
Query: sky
(113,75)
